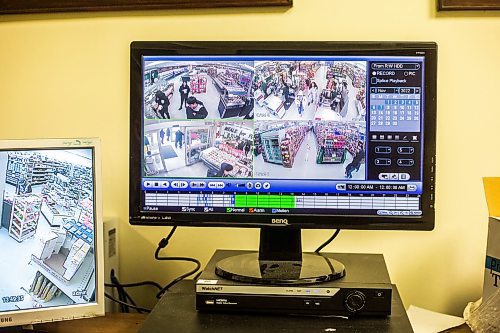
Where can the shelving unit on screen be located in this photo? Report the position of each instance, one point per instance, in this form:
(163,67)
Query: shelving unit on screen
(76,288)
(24,216)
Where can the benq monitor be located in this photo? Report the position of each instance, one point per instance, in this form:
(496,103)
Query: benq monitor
(283,136)
(50,231)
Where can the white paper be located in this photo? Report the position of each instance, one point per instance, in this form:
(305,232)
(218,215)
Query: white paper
(426,321)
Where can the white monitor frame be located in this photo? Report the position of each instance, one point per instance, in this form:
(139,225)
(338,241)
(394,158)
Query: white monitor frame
(75,311)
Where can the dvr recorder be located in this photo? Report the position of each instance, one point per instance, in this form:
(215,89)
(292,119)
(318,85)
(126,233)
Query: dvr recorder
(365,290)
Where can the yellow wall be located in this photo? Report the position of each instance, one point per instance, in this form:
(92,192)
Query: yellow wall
(66,75)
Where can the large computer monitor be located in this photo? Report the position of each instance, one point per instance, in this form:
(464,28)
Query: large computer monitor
(51,244)
(283,136)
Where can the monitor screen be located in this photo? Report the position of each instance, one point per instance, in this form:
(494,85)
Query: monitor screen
(311,135)
(49,231)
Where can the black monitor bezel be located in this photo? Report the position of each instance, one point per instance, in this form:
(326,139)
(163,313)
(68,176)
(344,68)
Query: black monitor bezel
(428,50)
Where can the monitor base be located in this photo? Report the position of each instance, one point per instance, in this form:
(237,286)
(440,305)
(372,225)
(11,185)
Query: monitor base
(248,268)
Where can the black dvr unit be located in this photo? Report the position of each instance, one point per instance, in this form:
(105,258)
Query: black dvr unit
(365,290)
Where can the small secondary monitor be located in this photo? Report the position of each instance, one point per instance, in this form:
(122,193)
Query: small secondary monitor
(283,136)
(50,231)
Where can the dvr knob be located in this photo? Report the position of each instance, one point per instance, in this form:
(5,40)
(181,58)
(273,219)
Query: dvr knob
(355,301)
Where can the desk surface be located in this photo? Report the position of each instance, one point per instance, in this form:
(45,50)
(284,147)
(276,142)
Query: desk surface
(131,322)
(176,312)
(127,323)
(111,323)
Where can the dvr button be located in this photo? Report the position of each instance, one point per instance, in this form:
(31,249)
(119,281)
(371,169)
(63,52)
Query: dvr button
(405,162)
(382,161)
(382,150)
(406,150)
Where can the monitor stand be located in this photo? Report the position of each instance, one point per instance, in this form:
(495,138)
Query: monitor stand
(280,261)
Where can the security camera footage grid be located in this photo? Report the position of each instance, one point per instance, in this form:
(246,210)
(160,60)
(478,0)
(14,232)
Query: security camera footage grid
(46,228)
(283,119)
(283,133)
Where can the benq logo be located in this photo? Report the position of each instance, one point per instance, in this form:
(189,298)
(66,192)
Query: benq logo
(6,320)
(211,288)
(279,221)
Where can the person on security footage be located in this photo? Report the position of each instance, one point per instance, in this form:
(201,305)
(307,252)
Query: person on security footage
(195,109)
(356,161)
(225,169)
(161,105)
(184,91)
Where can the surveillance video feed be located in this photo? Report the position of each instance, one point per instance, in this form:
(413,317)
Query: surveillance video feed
(310,90)
(279,118)
(198,149)
(310,149)
(275,125)
(46,228)
(198,89)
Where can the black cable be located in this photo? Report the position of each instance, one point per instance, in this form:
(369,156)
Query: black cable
(136,284)
(180,278)
(161,245)
(129,299)
(335,234)
(197,275)
(164,242)
(124,297)
(120,291)
(138,308)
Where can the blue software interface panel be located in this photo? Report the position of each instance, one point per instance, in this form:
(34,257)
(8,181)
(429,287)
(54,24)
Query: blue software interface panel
(288,135)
